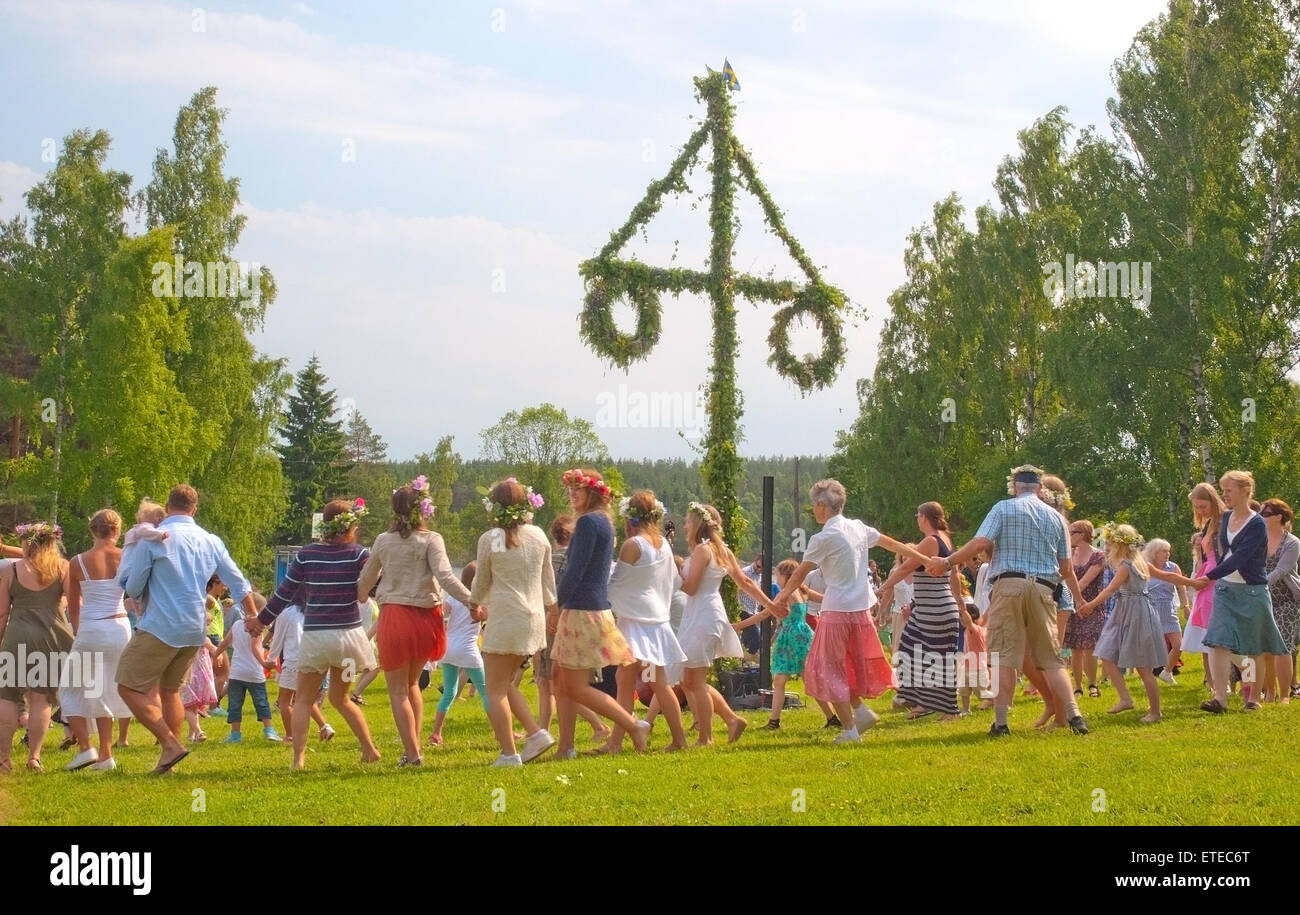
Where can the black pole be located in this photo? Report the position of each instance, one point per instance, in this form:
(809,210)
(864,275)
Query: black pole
(765,650)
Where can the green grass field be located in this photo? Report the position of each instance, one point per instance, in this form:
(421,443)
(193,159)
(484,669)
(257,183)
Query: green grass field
(1192,768)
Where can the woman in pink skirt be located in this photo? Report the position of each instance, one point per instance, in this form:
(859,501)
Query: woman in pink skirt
(846,663)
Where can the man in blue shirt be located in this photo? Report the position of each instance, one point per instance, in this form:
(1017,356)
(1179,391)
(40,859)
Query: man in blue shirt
(1031,563)
(156,662)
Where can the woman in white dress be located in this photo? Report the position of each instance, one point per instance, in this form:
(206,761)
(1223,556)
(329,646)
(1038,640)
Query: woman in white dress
(706,632)
(102,629)
(640,594)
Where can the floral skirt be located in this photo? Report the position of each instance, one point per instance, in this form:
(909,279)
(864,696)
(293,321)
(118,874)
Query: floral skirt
(589,640)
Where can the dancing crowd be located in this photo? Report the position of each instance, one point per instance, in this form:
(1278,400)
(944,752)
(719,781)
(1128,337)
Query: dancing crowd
(1028,590)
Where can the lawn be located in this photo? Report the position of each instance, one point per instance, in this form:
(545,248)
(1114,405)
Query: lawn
(1192,768)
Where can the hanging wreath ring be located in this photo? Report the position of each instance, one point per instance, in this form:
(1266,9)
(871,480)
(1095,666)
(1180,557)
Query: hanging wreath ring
(821,304)
(596,324)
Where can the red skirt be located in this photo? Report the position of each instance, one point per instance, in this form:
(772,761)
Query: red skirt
(846,660)
(410,635)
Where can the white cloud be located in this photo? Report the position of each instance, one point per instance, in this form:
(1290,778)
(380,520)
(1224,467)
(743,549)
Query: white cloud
(15,180)
(303,9)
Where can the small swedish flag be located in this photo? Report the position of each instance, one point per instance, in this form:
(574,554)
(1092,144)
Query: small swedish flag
(732,83)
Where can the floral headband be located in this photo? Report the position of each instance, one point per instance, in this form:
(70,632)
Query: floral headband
(1058,500)
(342,523)
(574,479)
(520,512)
(700,510)
(38,532)
(1110,533)
(422,509)
(1025,473)
(636,516)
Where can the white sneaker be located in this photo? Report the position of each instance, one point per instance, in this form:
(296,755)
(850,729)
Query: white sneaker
(107,765)
(847,737)
(1168,677)
(326,733)
(81,760)
(536,745)
(507,762)
(864,718)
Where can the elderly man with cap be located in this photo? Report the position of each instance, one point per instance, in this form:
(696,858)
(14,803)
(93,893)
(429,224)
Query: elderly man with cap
(1031,563)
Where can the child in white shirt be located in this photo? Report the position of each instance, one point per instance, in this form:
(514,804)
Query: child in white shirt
(286,637)
(248,665)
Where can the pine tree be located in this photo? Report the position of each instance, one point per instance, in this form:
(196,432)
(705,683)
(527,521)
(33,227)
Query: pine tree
(362,444)
(313,452)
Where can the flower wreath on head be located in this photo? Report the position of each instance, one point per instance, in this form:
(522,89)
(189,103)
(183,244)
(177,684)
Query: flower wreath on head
(574,479)
(1058,500)
(635,516)
(1023,468)
(701,510)
(38,532)
(423,509)
(1110,532)
(505,515)
(344,522)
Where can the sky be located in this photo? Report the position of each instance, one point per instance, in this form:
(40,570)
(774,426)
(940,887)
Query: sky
(423,179)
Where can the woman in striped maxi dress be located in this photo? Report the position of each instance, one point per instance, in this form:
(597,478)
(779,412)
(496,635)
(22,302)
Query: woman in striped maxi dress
(928,644)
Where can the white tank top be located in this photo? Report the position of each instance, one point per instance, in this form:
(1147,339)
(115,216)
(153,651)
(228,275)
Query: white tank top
(101,598)
(644,592)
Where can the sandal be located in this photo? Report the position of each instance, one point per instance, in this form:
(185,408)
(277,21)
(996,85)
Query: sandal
(1252,706)
(357,700)
(68,743)
(1213,706)
(35,765)
(1093,691)
(1079,693)
(919,713)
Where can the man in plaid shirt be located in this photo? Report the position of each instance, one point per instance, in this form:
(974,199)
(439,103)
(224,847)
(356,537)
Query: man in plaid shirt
(1031,563)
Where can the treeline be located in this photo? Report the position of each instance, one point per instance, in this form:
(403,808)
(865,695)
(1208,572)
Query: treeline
(127,360)
(1124,314)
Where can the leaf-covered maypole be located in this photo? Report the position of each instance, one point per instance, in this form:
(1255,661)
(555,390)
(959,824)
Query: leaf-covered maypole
(609,277)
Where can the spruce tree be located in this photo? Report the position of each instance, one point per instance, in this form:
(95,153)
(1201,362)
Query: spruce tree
(312,453)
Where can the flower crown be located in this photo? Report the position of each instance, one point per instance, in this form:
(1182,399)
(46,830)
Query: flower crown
(422,509)
(1111,533)
(636,516)
(701,510)
(505,515)
(342,523)
(574,479)
(38,532)
(1058,500)
(1023,468)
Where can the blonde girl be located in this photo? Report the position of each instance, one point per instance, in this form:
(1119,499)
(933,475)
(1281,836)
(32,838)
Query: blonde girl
(1132,636)
(706,632)
(790,644)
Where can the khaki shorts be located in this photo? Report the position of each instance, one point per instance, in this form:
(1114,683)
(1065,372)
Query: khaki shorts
(148,661)
(1022,615)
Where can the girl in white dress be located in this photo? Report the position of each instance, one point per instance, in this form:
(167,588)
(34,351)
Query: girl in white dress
(706,632)
(640,594)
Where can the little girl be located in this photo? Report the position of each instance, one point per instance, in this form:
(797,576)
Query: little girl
(147,518)
(790,645)
(1132,636)
(248,665)
(286,639)
(199,690)
(973,662)
(462,657)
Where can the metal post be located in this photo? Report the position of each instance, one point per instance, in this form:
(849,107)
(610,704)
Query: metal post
(765,650)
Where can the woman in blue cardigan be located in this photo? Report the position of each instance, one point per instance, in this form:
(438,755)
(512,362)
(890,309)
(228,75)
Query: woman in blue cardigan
(586,636)
(1241,623)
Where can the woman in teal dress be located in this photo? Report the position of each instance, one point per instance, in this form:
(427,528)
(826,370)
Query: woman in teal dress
(790,646)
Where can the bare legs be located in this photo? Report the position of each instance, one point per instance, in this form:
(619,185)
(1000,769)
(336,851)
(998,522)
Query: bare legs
(704,701)
(407,704)
(571,689)
(504,699)
(161,712)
